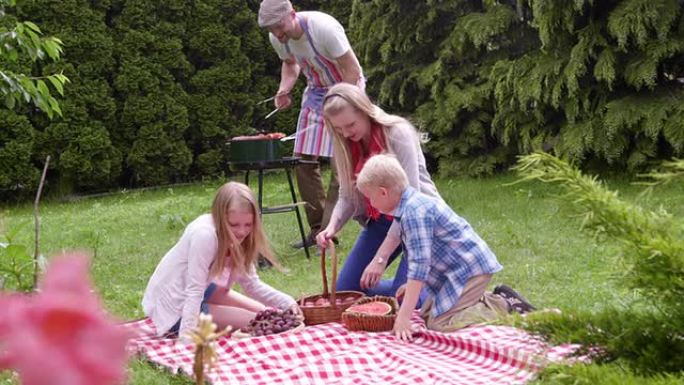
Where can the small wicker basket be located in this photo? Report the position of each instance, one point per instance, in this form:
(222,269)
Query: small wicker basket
(370,322)
(332,312)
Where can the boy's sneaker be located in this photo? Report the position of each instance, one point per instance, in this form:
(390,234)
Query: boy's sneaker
(517,302)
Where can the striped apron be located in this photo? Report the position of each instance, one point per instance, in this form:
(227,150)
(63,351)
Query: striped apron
(321,73)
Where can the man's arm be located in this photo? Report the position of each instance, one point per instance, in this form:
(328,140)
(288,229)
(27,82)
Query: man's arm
(289,72)
(351,70)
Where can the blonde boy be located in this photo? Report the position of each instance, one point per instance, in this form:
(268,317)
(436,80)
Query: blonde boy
(445,255)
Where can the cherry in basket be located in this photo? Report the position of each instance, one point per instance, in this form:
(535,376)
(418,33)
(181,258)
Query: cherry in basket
(272,321)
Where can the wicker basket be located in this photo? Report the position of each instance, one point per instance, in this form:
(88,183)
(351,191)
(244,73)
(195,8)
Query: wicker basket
(369,322)
(339,301)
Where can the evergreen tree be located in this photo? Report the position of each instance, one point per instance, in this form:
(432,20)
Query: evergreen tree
(605,77)
(152,114)
(339,9)
(229,53)
(431,60)
(17,173)
(79,143)
(23,49)
(596,81)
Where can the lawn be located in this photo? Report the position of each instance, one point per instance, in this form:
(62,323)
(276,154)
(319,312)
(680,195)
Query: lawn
(536,238)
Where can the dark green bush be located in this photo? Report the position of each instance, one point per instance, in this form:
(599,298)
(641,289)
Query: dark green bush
(596,81)
(18,174)
(599,82)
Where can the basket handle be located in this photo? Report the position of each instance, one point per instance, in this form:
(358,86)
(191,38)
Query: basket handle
(324,274)
(333,291)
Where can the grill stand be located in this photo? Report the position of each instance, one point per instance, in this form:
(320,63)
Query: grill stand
(287,164)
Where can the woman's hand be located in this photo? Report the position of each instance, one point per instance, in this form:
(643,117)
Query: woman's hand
(324,238)
(372,274)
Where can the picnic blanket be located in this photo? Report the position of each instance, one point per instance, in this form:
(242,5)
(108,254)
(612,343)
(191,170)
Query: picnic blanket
(331,354)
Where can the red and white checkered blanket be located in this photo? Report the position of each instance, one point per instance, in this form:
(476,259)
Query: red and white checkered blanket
(331,354)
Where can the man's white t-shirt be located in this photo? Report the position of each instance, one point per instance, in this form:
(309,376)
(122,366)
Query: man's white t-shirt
(327,35)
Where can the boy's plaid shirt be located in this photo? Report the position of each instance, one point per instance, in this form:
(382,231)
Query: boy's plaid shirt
(442,248)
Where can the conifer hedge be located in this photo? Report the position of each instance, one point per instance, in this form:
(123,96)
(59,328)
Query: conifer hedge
(600,82)
(157,86)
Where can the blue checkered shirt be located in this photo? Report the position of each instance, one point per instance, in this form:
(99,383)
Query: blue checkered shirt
(443,251)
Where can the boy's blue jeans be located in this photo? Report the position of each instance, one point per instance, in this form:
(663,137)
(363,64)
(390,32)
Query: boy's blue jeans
(367,244)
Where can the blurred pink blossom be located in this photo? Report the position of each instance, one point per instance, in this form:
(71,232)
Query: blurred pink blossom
(60,335)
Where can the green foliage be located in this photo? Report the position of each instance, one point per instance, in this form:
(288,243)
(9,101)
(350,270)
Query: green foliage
(604,375)
(627,336)
(79,143)
(18,175)
(436,68)
(597,81)
(22,42)
(153,116)
(83,154)
(16,263)
(646,334)
(669,171)
(156,89)
(228,82)
(590,75)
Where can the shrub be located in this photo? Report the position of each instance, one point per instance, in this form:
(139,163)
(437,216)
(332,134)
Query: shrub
(18,174)
(646,335)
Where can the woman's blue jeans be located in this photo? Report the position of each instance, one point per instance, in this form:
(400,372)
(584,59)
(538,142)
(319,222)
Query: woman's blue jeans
(367,244)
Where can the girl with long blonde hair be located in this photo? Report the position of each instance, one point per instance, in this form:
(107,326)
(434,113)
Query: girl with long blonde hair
(360,130)
(215,251)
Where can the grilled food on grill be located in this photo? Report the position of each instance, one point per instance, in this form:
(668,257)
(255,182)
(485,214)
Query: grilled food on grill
(270,136)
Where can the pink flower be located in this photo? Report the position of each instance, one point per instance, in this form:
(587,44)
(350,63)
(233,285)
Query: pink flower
(60,336)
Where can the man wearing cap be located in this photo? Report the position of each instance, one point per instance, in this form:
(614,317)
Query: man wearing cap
(313,43)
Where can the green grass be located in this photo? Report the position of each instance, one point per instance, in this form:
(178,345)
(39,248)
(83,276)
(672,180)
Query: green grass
(545,254)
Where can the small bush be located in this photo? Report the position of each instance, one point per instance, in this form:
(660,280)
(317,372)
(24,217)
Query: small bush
(18,175)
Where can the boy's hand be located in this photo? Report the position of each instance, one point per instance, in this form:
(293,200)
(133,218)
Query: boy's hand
(402,328)
(372,274)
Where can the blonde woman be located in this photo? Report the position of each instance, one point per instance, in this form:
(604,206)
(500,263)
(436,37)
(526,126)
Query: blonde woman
(360,130)
(215,251)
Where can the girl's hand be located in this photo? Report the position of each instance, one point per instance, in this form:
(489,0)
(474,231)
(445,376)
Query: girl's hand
(402,328)
(296,310)
(372,274)
(324,237)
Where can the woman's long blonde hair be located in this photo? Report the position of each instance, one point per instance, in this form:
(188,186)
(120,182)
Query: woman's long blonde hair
(345,95)
(239,256)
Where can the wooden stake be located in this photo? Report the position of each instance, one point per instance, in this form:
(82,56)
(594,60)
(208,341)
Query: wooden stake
(36,217)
